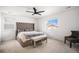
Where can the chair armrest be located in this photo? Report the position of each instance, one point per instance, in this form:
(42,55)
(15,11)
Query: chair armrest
(68,36)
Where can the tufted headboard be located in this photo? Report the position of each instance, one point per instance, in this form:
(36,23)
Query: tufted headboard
(20,26)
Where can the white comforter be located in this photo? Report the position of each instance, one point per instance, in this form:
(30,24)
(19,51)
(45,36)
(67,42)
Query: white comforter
(30,33)
(27,35)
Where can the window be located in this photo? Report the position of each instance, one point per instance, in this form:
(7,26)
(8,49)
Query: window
(52,23)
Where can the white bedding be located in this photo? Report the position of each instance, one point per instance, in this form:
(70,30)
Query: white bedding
(30,33)
(27,35)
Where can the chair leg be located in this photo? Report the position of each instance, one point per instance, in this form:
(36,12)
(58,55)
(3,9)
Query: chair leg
(70,44)
(65,41)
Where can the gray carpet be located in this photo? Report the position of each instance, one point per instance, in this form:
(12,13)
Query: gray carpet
(52,46)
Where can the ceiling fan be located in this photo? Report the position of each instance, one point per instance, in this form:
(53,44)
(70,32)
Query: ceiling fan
(35,11)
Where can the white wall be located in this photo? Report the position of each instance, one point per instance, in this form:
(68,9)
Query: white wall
(68,20)
(0,27)
(9,34)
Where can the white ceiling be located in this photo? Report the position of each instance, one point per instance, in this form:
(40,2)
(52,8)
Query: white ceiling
(21,10)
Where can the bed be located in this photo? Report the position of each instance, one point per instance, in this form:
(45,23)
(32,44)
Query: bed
(24,32)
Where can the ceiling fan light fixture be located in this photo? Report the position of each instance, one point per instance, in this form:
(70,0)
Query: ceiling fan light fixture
(35,11)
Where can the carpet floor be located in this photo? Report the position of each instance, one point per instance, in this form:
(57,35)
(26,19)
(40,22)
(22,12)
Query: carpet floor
(52,46)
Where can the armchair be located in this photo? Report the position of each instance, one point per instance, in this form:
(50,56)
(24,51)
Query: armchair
(74,38)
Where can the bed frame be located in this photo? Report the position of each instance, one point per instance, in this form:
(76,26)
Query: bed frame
(20,27)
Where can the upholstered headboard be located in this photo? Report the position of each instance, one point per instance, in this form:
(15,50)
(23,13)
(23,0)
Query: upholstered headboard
(24,27)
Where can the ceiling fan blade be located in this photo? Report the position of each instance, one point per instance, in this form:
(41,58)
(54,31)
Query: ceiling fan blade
(30,11)
(39,14)
(41,11)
